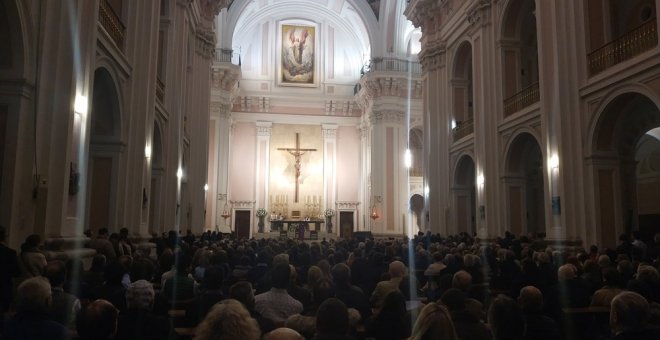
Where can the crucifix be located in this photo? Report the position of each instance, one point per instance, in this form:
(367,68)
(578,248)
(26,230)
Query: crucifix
(296,152)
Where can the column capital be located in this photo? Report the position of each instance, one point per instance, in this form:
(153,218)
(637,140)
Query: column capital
(329,131)
(386,116)
(264,129)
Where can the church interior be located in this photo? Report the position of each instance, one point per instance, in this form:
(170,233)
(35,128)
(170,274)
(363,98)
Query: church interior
(161,124)
(411,132)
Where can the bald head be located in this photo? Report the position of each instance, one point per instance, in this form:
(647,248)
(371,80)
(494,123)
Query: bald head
(397,269)
(283,334)
(462,280)
(530,299)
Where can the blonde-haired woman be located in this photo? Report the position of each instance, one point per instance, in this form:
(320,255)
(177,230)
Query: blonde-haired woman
(434,322)
(228,320)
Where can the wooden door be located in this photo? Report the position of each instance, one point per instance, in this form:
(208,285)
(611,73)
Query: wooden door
(346,224)
(242,224)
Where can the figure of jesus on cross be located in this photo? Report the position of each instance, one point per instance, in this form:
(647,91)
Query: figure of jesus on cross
(296,152)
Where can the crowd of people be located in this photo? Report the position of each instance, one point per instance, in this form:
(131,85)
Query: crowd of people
(430,287)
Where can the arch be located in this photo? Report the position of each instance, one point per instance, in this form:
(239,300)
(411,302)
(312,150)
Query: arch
(462,90)
(464,194)
(623,161)
(519,47)
(524,181)
(105,145)
(157,146)
(416,147)
(416,204)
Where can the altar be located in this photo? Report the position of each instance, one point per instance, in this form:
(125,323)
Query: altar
(307,225)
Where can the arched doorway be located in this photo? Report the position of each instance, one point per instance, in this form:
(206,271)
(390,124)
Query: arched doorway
(105,148)
(465,195)
(416,146)
(626,167)
(524,186)
(417,207)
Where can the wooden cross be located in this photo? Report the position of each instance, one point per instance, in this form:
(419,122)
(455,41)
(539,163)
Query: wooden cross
(296,152)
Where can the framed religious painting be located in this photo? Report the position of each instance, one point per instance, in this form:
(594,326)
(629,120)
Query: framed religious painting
(298,54)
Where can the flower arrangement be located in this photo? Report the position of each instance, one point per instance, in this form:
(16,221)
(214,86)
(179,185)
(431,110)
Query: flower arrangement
(329,213)
(261,212)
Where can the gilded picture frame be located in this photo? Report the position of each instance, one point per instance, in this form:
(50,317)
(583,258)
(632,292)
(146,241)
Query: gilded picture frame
(297,54)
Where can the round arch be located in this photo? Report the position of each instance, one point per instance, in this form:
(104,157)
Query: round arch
(624,163)
(464,194)
(524,183)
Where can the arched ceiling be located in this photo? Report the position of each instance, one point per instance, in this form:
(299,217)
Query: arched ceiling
(345,31)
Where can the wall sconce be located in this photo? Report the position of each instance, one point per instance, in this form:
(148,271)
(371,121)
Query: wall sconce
(374,208)
(80,105)
(147,151)
(407,159)
(206,187)
(179,173)
(553,162)
(480,180)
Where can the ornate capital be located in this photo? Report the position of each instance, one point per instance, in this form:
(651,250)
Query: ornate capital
(329,131)
(242,204)
(477,14)
(210,8)
(433,56)
(221,110)
(225,78)
(386,116)
(347,205)
(264,129)
(205,43)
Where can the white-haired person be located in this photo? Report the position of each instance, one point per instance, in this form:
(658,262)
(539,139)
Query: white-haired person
(33,298)
(228,320)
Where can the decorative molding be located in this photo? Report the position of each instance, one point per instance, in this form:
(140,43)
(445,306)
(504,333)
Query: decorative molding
(347,205)
(477,15)
(242,204)
(225,78)
(329,131)
(210,8)
(221,110)
(264,129)
(205,43)
(386,116)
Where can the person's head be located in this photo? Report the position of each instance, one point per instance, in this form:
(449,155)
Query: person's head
(629,312)
(332,318)
(142,269)
(611,277)
(283,333)
(114,272)
(242,292)
(341,274)
(103,232)
(434,323)
(55,272)
(566,272)
(462,280)
(505,318)
(98,321)
(603,261)
(530,299)
(213,277)
(322,290)
(228,320)
(281,259)
(394,306)
(454,299)
(98,262)
(33,295)
(182,263)
(314,274)
(397,269)
(32,241)
(280,276)
(140,295)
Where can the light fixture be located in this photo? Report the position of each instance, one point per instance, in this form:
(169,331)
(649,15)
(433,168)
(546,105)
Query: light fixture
(453,124)
(179,173)
(553,162)
(147,151)
(408,159)
(80,105)
(206,187)
(225,211)
(480,180)
(374,208)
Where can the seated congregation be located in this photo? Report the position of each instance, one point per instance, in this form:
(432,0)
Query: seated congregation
(430,287)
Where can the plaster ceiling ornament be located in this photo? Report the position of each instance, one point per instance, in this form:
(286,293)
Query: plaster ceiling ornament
(211,8)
